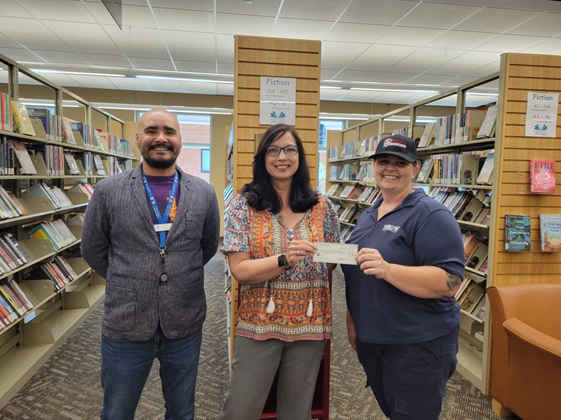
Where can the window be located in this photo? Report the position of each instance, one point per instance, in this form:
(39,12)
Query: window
(324,126)
(205,161)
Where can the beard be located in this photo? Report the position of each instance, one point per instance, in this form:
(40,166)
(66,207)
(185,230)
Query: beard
(160,163)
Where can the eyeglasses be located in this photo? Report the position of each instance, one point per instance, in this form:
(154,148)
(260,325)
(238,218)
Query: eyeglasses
(288,150)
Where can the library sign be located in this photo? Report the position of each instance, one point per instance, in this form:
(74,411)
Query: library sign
(277,101)
(541,114)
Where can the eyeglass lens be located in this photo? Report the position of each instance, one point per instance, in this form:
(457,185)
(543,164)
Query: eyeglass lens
(288,150)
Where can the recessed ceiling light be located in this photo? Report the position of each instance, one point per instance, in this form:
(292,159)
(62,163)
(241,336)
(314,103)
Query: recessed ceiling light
(248,2)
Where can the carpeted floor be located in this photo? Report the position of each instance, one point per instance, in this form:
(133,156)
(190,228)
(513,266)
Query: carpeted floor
(68,387)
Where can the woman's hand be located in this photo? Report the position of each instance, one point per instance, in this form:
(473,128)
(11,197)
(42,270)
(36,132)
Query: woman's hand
(371,262)
(298,250)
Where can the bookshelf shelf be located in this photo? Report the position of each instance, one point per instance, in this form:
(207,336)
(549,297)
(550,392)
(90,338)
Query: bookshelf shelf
(44,183)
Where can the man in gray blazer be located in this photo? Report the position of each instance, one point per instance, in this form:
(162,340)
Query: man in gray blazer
(149,233)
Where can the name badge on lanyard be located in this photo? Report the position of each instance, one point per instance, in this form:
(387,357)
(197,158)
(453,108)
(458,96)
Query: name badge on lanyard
(162,227)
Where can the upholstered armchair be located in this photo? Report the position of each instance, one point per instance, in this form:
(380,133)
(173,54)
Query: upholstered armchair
(526,350)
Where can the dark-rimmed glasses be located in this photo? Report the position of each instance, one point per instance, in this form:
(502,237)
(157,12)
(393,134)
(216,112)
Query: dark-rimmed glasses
(289,150)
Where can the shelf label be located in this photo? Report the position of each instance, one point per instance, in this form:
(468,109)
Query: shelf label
(541,114)
(277,101)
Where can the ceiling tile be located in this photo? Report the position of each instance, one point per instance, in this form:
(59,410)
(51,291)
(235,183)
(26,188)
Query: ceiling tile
(138,16)
(306,29)
(130,83)
(165,86)
(393,77)
(485,70)
(461,80)
(95,82)
(425,59)
(101,46)
(62,57)
(545,24)
(380,57)
(328,10)
(193,54)
(439,16)
(268,8)
(327,74)
(362,95)
(185,19)
(357,76)
(200,88)
(151,63)
(511,43)
(465,63)
(130,35)
(20,55)
(495,20)
(6,42)
(11,8)
(333,94)
(226,68)
(338,54)
(31,34)
(356,32)
(410,36)
(552,46)
(202,5)
(429,79)
(62,10)
(110,60)
(185,39)
(382,12)
(62,80)
(225,45)
(72,30)
(461,40)
(196,66)
(243,24)
(100,14)
(140,50)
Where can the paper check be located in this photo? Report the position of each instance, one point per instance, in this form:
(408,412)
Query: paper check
(329,252)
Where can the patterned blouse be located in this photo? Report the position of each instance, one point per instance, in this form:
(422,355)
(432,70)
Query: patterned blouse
(262,234)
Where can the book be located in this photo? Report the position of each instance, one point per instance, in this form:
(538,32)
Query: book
(99,165)
(477,256)
(486,172)
(425,171)
(22,155)
(428,135)
(466,169)
(487,128)
(67,133)
(550,232)
(22,122)
(470,243)
(71,164)
(542,176)
(471,211)
(517,232)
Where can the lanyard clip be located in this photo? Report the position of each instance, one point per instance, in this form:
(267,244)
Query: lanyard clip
(163,253)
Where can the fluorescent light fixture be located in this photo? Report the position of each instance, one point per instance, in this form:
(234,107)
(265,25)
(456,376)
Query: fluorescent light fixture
(481,94)
(182,79)
(81,73)
(330,87)
(335,116)
(395,90)
(183,110)
(47,103)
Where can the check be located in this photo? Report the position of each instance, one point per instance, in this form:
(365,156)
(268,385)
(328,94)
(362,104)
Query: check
(329,252)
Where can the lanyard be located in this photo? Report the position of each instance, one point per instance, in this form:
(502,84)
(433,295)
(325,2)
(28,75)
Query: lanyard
(161,219)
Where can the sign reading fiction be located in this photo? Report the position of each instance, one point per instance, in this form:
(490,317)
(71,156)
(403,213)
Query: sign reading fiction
(277,101)
(541,114)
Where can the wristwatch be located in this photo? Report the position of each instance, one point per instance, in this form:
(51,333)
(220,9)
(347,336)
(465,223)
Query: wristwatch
(283,262)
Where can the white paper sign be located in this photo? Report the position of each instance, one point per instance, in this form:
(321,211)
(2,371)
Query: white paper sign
(277,101)
(541,114)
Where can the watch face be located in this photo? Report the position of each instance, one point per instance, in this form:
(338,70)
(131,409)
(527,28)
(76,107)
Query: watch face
(282,260)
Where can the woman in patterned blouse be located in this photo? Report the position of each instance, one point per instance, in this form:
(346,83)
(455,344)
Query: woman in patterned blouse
(284,314)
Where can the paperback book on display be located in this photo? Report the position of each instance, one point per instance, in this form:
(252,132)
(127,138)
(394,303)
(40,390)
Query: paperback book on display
(550,232)
(542,176)
(517,232)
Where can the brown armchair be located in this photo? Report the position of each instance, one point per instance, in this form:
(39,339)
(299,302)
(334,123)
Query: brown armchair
(526,350)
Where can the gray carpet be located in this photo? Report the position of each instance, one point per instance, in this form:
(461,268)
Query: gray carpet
(68,387)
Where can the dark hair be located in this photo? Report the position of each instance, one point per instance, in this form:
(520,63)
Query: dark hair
(260,193)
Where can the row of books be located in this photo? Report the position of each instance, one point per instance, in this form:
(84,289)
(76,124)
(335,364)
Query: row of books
(476,252)
(14,302)
(56,231)
(12,254)
(518,230)
(459,169)
(467,206)
(10,206)
(461,127)
(350,214)
(346,232)
(53,193)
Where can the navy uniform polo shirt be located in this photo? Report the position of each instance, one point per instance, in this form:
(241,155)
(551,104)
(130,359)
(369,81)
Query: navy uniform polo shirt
(419,232)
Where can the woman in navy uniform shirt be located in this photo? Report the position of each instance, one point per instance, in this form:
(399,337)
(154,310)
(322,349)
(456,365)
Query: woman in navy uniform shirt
(402,317)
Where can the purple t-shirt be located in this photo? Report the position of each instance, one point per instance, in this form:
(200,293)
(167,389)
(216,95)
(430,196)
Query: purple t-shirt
(161,186)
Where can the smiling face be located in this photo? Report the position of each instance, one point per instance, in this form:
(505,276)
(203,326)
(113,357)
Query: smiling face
(159,141)
(394,174)
(282,167)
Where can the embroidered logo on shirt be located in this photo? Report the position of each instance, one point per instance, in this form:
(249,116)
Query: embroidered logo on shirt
(390,228)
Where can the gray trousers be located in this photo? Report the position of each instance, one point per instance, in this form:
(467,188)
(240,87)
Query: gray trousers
(253,371)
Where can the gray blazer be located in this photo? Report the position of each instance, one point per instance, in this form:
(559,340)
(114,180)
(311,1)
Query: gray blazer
(119,242)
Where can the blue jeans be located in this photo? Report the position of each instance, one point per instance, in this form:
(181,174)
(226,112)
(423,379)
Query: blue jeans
(125,366)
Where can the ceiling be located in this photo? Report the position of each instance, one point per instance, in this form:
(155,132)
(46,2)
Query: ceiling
(409,50)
